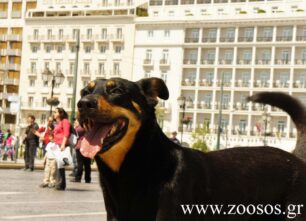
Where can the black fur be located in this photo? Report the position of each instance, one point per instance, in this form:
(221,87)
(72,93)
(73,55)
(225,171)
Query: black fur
(157,176)
(296,111)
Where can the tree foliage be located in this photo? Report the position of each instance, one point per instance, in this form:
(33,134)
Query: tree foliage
(198,139)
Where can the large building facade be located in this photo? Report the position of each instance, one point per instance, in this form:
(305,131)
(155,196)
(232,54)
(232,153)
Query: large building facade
(11,29)
(192,44)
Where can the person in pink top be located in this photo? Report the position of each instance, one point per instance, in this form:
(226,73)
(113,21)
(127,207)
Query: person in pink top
(9,144)
(61,134)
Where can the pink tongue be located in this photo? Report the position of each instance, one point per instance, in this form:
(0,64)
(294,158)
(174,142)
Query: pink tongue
(91,144)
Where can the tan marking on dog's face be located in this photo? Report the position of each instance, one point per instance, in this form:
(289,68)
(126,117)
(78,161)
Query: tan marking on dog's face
(110,83)
(114,157)
(137,107)
(91,85)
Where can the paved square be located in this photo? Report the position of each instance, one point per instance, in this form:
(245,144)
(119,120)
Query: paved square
(21,198)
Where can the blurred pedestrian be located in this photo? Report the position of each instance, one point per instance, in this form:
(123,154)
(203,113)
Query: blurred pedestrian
(9,145)
(31,143)
(1,143)
(81,160)
(44,133)
(61,138)
(50,163)
(173,138)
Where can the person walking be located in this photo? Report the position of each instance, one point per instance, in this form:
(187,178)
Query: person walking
(173,138)
(81,160)
(31,143)
(9,145)
(45,131)
(61,136)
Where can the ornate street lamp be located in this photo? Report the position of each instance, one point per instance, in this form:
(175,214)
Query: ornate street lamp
(181,100)
(55,78)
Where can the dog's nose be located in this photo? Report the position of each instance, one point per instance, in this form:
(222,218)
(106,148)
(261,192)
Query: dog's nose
(86,103)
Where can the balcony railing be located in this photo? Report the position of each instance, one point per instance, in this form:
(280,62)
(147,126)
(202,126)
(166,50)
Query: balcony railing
(299,84)
(283,38)
(204,1)
(3,37)
(188,82)
(191,40)
(241,83)
(14,52)
(209,39)
(115,73)
(260,39)
(206,83)
(147,62)
(9,81)
(225,61)
(243,61)
(204,105)
(245,39)
(259,83)
(164,62)
(281,84)
(152,2)
(190,61)
(32,72)
(301,38)
(101,73)
(300,61)
(227,39)
(85,73)
(187,2)
(209,61)
(263,62)
(171,2)
(282,61)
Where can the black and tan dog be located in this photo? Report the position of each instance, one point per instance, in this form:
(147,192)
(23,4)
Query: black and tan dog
(145,176)
(296,111)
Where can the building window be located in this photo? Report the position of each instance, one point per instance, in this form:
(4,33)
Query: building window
(47,65)
(69,102)
(103,49)
(150,33)
(58,67)
(49,35)
(30,101)
(34,49)
(87,49)
(149,54)
(104,33)
(85,83)
(101,69)
(167,33)
(119,33)
(74,33)
(89,33)
(35,34)
(33,67)
(44,101)
(59,49)
(165,55)
(116,69)
(147,75)
(70,83)
(164,77)
(118,49)
(171,13)
(72,48)
(71,68)
(60,34)
(32,83)
(155,13)
(48,48)
(86,68)
(43,118)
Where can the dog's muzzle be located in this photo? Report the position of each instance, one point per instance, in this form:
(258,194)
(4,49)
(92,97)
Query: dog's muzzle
(86,104)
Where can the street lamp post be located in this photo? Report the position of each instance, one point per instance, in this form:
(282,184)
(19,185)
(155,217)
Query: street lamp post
(55,78)
(266,118)
(182,103)
(220,113)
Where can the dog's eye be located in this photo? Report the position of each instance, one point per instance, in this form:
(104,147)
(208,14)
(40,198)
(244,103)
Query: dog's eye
(116,90)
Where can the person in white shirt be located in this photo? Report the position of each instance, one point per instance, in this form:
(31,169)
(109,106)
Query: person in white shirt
(50,163)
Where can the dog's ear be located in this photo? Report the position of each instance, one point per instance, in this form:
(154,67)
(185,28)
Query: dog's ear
(153,88)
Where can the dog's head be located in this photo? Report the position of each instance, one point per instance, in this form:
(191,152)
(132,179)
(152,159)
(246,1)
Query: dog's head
(112,111)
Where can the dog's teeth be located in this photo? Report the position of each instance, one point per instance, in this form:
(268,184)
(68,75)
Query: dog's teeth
(102,140)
